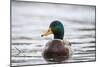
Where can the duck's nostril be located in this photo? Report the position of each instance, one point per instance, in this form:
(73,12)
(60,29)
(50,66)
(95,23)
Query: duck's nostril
(41,35)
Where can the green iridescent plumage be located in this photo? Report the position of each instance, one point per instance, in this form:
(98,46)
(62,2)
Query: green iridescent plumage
(57,29)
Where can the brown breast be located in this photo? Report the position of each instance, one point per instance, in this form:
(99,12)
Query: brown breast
(56,52)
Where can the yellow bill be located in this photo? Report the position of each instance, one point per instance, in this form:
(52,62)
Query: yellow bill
(47,33)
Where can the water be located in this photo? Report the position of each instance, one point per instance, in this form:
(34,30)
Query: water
(31,19)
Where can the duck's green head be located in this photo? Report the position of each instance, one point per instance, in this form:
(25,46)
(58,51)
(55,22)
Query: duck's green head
(56,28)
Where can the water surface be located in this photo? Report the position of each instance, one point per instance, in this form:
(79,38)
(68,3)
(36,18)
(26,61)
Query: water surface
(31,19)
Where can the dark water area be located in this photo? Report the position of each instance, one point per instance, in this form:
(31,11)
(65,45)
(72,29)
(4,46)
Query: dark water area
(29,21)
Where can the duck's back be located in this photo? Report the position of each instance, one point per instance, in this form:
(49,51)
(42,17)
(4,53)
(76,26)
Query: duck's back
(56,51)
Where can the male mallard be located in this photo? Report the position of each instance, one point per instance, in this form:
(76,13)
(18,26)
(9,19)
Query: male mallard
(56,50)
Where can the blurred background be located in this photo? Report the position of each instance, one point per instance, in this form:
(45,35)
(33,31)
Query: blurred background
(31,19)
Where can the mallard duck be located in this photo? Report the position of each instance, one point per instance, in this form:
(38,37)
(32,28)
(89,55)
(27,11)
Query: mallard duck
(56,50)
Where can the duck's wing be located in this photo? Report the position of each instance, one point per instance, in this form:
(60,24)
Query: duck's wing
(68,45)
(66,42)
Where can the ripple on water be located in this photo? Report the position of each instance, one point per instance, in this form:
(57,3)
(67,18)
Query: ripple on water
(27,45)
